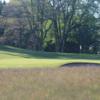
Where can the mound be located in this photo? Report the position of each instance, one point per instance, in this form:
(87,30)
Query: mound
(78,64)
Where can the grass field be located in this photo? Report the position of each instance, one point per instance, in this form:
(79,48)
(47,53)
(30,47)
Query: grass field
(11,57)
(50,84)
(28,75)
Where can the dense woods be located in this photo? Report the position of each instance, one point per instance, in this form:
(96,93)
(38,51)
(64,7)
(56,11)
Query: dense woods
(51,25)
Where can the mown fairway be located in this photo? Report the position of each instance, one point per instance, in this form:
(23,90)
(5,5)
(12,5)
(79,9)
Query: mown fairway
(11,57)
(50,84)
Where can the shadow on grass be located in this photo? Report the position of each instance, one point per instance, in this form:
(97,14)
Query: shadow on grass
(46,55)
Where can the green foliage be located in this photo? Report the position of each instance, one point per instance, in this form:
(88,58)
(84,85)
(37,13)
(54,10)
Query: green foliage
(33,23)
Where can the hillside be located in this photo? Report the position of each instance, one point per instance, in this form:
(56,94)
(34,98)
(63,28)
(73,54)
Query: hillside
(11,57)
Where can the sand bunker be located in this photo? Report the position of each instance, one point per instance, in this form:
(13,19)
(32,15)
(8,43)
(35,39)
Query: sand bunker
(78,64)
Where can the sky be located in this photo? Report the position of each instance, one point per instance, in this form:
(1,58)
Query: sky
(5,0)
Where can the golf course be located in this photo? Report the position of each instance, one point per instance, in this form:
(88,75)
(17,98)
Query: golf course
(30,75)
(11,57)
(49,49)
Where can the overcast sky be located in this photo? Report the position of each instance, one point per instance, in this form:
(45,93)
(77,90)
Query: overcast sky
(5,0)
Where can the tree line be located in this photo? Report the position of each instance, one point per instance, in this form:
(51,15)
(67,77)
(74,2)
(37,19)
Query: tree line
(51,25)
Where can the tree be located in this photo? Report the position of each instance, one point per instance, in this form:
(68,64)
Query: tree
(63,12)
(86,25)
(57,24)
(35,13)
(2,19)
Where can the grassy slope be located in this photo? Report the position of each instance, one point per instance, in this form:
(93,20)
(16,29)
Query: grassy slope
(18,58)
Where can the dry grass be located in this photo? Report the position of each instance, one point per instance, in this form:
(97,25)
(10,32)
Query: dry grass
(50,84)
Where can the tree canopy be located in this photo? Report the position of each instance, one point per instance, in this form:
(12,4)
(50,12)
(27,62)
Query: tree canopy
(52,25)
